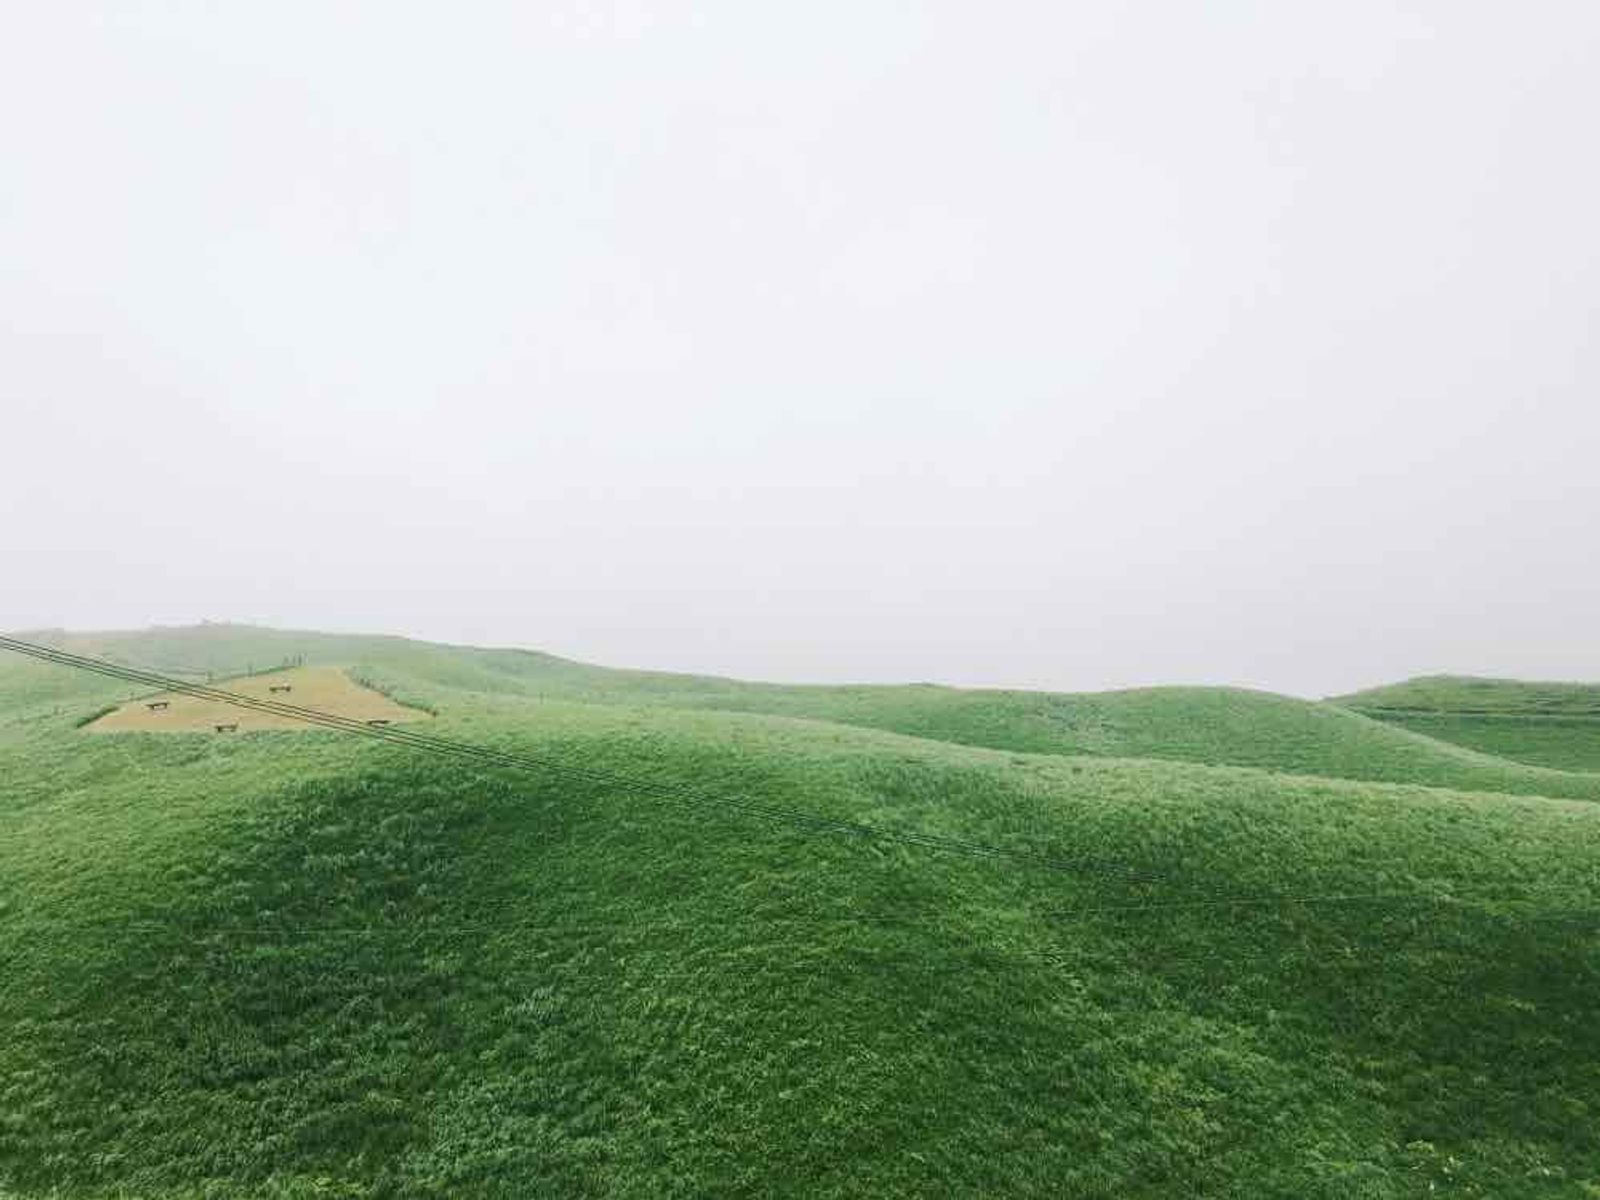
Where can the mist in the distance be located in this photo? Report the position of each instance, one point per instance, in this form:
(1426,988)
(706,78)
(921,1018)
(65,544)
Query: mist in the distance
(1041,345)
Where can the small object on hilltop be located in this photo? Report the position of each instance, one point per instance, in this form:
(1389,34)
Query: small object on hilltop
(378,721)
(156,705)
(228,727)
(280,687)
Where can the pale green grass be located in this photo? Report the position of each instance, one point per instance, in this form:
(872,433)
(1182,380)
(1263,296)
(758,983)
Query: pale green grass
(1553,725)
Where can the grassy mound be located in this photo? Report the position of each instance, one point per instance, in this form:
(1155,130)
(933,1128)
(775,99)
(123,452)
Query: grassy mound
(298,964)
(1542,724)
(1464,694)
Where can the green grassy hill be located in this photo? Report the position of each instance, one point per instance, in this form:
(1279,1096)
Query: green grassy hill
(1542,724)
(303,964)
(1465,694)
(1216,726)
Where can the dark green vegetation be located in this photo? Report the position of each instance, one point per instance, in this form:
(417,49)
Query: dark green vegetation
(300,964)
(1542,724)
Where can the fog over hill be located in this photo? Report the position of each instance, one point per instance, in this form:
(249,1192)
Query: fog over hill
(1065,347)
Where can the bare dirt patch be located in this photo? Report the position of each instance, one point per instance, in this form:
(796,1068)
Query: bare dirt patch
(326,689)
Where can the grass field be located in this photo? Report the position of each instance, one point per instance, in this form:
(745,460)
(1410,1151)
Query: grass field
(1279,949)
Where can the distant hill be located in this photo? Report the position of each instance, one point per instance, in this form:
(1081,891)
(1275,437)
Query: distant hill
(1168,942)
(1542,724)
(1215,726)
(1466,694)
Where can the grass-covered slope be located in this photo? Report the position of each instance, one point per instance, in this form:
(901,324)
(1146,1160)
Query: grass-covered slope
(293,964)
(1218,726)
(1465,694)
(1553,725)
(1559,743)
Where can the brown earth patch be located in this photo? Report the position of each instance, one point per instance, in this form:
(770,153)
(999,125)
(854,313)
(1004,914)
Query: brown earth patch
(326,689)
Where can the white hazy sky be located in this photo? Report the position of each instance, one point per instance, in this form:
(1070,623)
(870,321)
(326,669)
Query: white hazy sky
(1052,345)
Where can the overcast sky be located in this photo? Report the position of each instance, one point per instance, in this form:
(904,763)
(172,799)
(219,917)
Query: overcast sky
(1053,345)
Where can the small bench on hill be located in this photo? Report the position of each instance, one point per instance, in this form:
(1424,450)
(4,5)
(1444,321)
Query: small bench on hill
(227,727)
(156,705)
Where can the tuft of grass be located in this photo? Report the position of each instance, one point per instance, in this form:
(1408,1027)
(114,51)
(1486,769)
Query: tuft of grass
(394,692)
(91,717)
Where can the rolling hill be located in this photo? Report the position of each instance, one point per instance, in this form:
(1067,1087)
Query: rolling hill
(1173,942)
(1553,725)
(1215,726)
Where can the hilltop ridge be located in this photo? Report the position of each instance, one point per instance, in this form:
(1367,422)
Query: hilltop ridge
(1479,695)
(1215,726)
